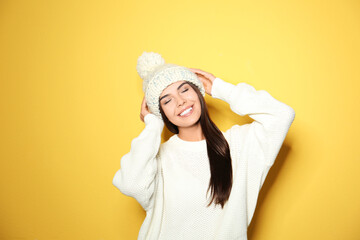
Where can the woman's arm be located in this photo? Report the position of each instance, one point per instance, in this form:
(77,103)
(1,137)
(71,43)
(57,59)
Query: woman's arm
(272,117)
(259,141)
(136,177)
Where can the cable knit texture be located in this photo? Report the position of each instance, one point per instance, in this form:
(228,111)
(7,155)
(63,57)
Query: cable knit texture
(170,180)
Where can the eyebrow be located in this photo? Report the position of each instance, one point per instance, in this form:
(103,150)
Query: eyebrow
(177,89)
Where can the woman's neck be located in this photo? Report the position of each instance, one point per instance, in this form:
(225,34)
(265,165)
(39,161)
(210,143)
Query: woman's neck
(192,134)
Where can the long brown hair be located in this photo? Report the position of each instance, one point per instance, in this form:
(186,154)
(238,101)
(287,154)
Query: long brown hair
(218,152)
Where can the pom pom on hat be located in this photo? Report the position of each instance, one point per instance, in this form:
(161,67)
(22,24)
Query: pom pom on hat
(147,62)
(157,75)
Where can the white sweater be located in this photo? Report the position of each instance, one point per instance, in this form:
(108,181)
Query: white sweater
(170,180)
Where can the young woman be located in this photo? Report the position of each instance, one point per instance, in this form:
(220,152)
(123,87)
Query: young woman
(202,183)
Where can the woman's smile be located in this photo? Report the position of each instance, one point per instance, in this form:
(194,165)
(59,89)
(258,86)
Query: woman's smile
(187,112)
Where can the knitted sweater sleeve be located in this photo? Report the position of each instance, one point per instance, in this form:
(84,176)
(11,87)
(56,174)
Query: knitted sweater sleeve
(136,177)
(259,141)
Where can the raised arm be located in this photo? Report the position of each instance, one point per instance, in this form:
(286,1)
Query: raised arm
(136,177)
(259,142)
(272,117)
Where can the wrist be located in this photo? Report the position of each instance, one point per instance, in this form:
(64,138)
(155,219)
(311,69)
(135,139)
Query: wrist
(221,89)
(151,118)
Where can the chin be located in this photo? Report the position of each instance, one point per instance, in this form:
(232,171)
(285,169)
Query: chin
(188,122)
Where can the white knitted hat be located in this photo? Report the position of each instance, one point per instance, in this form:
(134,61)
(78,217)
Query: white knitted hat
(157,75)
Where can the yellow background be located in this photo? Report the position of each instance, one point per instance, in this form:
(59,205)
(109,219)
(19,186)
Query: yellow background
(71,96)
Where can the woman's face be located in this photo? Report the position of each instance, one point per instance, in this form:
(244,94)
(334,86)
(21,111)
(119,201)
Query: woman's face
(181,104)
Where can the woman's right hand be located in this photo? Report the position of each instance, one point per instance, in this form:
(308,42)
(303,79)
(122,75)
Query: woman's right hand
(144,110)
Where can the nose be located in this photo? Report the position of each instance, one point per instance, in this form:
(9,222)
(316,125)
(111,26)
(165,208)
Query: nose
(181,101)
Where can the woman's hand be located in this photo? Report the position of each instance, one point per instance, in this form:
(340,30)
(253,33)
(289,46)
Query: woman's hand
(144,110)
(206,78)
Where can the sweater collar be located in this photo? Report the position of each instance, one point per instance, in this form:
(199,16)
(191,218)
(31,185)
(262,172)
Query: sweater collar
(188,145)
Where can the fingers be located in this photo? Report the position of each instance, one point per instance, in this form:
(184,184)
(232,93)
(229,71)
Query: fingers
(143,102)
(143,109)
(207,75)
(198,71)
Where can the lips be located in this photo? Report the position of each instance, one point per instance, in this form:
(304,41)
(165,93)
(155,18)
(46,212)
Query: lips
(192,106)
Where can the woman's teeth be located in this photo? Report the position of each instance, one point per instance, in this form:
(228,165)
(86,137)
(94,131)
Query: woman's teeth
(186,111)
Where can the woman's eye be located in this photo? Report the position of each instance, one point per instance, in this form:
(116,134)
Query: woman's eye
(167,101)
(185,90)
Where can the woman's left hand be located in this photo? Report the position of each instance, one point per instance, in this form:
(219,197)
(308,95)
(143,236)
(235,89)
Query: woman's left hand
(206,78)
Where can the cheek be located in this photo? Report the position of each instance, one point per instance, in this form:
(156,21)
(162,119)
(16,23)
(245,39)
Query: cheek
(195,98)
(192,97)
(198,104)
(168,110)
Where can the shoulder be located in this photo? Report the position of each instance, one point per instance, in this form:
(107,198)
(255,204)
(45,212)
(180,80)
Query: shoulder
(166,146)
(239,139)
(237,132)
